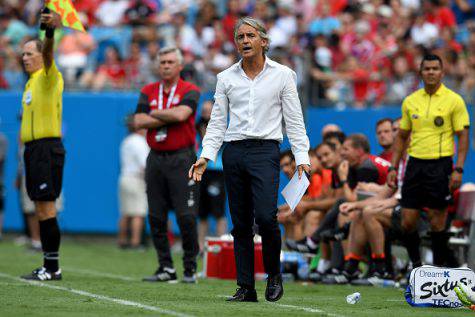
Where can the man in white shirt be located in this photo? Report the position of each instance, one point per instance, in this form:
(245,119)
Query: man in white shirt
(258,95)
(132,195)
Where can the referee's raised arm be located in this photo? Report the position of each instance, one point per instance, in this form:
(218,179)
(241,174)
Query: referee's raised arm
(51,20)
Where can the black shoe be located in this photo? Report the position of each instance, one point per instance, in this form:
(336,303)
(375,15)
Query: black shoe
(189,277)
(339,234)
(301,246)
(274,288)
(340,279)
(315,276)
(42,274)
(375,279)
(243,295)
(166,274)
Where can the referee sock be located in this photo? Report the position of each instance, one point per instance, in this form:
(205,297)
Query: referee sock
(440,247)
(50,238)
(412,242)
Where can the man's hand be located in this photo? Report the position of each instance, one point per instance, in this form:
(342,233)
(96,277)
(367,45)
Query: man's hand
(455,180)
(303,167)
(343,170)
(197,169)
(391,179)
(347,207)
(52,20)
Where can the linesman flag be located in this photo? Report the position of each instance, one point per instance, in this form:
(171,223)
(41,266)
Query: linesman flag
(69,16)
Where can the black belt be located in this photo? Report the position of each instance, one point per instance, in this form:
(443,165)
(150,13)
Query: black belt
(43,140)
(253,142)
(189,149)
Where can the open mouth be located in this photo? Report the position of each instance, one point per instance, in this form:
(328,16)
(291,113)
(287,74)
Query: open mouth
(246,49)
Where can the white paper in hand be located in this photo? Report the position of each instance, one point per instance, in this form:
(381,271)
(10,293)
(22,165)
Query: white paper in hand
(295,190)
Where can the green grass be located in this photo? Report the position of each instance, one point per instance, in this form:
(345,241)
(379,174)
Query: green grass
(84,260)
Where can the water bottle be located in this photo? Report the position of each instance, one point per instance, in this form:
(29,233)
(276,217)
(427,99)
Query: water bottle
(353,298)
(382,282)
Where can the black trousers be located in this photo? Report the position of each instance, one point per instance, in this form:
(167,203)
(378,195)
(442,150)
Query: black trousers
(251,174)
(168,187)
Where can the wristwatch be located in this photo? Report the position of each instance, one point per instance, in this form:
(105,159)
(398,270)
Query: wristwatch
(458,170)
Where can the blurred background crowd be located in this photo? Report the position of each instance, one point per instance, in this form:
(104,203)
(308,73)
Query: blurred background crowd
(347,53)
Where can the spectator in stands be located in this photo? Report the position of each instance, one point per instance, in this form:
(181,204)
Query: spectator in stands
(385,136)
(111,74)
(12,30)
(336,138)
(212,192)
(73,52)
(110,13)
(132,197)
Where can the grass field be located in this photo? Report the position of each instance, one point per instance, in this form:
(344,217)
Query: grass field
(101,280)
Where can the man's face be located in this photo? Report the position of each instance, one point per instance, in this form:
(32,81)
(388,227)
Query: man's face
(396,124)
(248,41)
(287,166)
(336,142)
(31,57)
(431,73)
(350,153)
(384,132)
(169,67)
(328,157)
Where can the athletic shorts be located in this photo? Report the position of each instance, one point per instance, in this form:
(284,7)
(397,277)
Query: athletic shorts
(44,163)
(212,195)
(396,231)
(426,183)
(132,196)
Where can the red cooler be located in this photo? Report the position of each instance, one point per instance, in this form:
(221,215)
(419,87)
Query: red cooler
(219,259)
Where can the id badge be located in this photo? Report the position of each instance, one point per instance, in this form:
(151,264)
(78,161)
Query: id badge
(161,134)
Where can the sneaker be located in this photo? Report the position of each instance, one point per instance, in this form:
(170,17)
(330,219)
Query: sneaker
(166,274)
(375,279)
(340,279)
(339,234)
(314,276)
(301,246)
(42,274)
(189,277)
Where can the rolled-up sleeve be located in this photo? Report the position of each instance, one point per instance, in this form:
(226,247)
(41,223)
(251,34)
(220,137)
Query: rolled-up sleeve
(293,119)
(217,125)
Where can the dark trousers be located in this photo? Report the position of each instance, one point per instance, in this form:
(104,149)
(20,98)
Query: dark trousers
(251,174)
(168,187)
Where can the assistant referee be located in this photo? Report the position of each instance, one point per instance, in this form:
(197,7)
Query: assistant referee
(41,134)
(431,117)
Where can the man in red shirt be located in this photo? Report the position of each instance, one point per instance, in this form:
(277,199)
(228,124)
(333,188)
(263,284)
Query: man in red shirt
(166,108)
(385,135)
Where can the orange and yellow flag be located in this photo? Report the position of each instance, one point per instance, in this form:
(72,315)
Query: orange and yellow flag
(69,16)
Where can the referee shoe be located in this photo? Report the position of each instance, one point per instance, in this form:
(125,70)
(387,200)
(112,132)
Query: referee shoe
(163,274)
(42,274)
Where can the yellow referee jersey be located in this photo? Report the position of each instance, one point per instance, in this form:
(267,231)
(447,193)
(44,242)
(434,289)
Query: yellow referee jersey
(42,105)
(432,120)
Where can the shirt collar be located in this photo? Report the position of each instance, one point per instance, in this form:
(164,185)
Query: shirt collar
(267,62)
(36,73)
(439,91)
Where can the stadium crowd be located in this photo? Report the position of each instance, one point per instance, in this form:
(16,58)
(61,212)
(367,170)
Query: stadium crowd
(345,52)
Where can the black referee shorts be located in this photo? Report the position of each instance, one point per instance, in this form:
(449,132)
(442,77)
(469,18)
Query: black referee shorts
(426,183)
(44,163)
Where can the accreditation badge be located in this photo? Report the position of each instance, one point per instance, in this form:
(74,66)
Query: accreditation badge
(27,98)
(439,121)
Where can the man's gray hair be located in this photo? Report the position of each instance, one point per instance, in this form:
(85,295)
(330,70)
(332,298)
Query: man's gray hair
(256,24)
(171,49)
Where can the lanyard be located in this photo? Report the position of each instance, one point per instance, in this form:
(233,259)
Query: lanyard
(170,97)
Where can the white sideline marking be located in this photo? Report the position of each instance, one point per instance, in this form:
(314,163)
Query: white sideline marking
(97,296)
(306,309)
(96,273)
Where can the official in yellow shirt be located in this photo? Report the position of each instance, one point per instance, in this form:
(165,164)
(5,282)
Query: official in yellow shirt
(44,152)
(431,118)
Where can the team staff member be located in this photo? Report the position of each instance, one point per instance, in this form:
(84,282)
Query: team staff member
(166,108)
(41,133)
(257,94)
(432,116)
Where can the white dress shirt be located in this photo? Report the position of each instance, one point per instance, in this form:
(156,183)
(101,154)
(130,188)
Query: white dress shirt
(257,109)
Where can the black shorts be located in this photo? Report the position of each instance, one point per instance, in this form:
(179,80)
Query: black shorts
(44,163)
(426,183)
(2,198)
(395,231)
(212,195)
